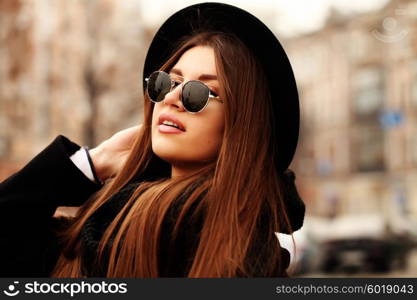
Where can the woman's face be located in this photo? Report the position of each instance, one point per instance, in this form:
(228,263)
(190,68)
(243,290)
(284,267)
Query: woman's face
(201,138)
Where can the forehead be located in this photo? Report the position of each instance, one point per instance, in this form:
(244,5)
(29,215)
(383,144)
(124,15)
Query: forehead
(197,60)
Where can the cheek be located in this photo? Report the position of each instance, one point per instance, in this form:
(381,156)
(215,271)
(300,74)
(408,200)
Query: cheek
(210,132)
(208,136)
(155,113)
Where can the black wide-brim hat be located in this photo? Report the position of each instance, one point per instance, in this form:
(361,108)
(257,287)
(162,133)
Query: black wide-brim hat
(263,44)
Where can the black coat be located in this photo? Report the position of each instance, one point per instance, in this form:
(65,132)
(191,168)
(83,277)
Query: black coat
(31,249)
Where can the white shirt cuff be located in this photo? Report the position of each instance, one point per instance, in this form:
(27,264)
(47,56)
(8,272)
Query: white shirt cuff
(80,159)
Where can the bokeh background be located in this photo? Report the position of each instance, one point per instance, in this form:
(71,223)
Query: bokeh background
(74,67)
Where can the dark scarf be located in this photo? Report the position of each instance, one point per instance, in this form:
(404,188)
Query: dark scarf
(95,226)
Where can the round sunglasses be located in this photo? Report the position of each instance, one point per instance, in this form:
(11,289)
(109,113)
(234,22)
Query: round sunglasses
(195,95)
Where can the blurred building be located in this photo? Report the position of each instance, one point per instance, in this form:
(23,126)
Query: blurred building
(67,67)
(357,79)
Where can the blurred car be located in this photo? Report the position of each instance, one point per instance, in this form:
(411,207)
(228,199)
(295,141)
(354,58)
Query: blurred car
(364,244)
(355,255)
(351,244)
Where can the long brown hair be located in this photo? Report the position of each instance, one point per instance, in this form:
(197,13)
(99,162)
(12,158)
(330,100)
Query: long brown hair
(240,193)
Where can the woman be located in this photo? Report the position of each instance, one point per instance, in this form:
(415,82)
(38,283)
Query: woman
(204,187)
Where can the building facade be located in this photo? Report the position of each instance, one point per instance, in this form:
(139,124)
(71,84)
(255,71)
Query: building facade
(357,79)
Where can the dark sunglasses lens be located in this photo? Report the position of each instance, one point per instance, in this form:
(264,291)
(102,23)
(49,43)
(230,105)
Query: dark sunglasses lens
(159,84)
(195,96)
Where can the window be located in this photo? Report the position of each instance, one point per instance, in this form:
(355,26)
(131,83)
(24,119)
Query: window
(368,90)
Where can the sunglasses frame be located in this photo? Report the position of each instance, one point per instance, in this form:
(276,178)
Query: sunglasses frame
(174,84)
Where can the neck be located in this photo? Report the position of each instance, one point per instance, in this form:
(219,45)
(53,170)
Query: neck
(181,170)
(185,169)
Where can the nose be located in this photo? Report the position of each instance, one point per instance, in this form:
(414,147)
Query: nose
(174,97)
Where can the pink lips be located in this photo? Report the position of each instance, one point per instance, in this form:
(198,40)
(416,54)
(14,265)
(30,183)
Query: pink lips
(169,129)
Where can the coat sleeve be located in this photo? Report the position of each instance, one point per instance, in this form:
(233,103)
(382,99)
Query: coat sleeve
(28,200)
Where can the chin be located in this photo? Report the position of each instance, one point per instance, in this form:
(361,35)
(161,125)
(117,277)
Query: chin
(165,152)
(177,157)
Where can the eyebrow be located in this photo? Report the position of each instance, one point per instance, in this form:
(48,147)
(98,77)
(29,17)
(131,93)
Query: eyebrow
(201,77)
